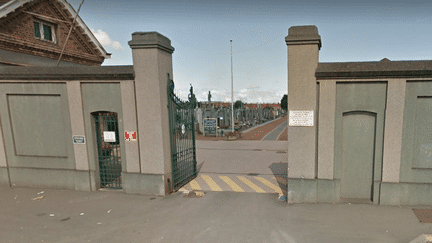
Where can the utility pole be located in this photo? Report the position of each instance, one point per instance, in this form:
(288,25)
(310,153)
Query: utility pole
(232,94)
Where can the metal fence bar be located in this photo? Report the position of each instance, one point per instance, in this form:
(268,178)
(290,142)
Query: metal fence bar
(182,137)
(108,152)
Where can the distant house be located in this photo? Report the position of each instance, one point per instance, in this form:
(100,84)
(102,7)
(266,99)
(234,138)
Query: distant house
(33,33)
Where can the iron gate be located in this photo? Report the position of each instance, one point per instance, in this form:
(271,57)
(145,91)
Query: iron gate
(108,144)
(182,137)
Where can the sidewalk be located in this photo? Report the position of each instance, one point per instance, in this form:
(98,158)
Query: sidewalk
(112,216)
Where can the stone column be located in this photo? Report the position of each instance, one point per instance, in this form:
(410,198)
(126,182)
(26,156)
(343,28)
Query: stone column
(81,177)
(130,125)
(152,60)
(303,46)
(393,130)
(327,109)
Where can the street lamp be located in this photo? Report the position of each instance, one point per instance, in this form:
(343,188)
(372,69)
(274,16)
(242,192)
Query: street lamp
(232,94)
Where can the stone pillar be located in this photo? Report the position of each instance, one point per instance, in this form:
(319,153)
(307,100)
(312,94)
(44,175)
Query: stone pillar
(78,129)
(130,125)
(393,130)
(152,60)
(327,109)
(303,46)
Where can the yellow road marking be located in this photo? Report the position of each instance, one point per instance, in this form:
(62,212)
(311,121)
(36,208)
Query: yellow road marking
(211,183)
(269,184)
(251,184)
(231,183)
(194,185)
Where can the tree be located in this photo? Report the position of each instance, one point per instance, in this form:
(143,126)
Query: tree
(238,104)
(284,102)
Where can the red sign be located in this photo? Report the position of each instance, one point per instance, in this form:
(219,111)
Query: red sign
(130,136)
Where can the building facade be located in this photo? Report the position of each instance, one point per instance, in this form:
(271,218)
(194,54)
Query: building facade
(34,33)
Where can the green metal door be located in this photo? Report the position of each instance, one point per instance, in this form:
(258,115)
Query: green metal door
(108,145)
(182,137)
(358,150)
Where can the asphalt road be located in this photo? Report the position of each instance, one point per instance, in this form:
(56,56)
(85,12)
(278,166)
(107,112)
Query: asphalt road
(241,166)
(113,216)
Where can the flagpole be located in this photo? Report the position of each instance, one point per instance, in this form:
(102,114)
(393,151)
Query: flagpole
(232,93)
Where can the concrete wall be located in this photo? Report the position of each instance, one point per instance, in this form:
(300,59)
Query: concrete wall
(391,100)
(42,108)
(38,122)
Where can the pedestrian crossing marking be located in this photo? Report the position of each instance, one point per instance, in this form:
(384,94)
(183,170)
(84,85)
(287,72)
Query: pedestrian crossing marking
(194,185)
(211,183)
(231,184)
(251,184)
(269,184)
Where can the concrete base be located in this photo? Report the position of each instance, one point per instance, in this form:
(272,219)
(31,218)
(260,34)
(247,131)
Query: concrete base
(50,178)
(302,191)
(313,191)
(145,184)
(327,191)
(4,177)
(390,194)
(411,194)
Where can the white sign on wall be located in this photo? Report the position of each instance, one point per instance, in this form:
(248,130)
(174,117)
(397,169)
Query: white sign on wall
(109,137)
(301,118)
(78,139)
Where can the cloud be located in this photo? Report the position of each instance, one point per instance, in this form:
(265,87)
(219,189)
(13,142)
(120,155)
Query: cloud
(247,95)
(106,40)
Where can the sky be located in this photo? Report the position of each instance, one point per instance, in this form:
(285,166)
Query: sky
(200,31)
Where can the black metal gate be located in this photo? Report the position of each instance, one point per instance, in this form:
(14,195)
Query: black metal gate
(182,137)
(108,145)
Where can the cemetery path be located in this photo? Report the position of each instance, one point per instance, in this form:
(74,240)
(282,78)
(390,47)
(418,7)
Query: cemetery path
(273,135)
(272,130)
(260,132)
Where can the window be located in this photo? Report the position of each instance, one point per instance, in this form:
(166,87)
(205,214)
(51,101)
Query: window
(44,31)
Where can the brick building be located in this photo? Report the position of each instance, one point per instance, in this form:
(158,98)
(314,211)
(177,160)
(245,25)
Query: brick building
(33,33)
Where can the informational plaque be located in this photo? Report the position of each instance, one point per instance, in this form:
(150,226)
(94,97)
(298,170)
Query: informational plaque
(210,125)
(78,139)
(109,136)
(301,118)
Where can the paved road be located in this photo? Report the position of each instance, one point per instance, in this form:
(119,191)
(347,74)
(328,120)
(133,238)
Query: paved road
(111,217)
(241,166)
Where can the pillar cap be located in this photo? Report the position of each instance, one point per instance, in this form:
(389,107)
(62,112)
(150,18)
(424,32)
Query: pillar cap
(303,35)
(142,40)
